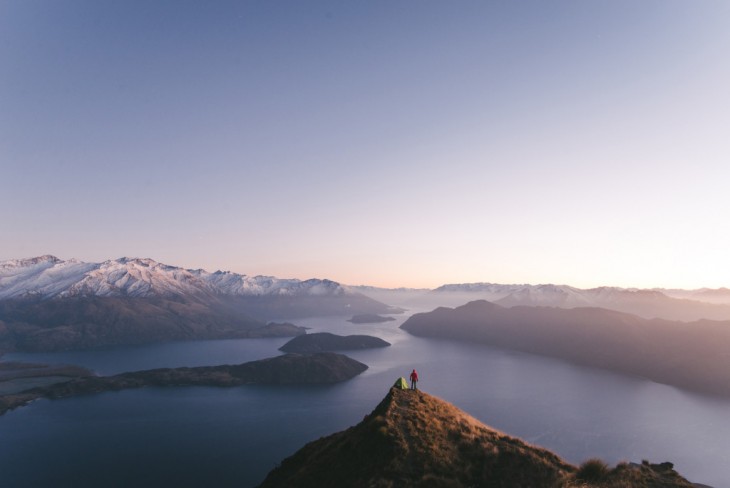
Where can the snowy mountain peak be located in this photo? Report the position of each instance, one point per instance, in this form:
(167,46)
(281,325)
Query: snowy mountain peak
(27,262)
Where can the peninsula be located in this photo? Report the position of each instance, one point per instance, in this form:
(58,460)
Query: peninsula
(289,369)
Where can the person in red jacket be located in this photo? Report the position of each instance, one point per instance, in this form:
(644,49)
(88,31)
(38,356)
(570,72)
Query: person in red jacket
(414,380)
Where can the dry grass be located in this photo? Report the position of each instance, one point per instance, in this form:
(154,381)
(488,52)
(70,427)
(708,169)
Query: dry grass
(593,471)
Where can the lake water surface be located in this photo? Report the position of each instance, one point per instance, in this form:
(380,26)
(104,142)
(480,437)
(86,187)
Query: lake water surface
(196,436)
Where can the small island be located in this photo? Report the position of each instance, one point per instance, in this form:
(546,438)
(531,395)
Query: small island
(369,318)
(324,341)
(289,369)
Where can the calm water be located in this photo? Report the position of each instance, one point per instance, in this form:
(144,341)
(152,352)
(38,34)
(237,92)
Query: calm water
(233,437)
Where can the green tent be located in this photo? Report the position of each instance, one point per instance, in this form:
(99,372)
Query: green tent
(401,383)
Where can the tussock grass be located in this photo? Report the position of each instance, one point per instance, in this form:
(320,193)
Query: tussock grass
(595,473)
(593,470)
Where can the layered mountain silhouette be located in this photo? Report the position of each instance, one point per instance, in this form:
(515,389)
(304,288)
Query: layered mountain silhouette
(413,439)
(50,304)
(691,355)
(655,303)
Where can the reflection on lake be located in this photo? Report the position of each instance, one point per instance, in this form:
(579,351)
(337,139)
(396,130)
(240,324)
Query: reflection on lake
(234,436)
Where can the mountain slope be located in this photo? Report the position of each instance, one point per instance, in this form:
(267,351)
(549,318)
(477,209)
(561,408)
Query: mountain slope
(690,355)
(415,439)
(87,322)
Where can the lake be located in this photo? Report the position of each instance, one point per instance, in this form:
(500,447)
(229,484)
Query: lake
(196,436)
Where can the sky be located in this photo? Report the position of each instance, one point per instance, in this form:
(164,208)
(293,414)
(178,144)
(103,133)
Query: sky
(389,143)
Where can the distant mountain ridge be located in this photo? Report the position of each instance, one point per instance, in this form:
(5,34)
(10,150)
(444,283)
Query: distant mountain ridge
(647,303)
(49,277)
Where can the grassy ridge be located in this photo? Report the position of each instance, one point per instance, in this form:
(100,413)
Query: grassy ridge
(415,439)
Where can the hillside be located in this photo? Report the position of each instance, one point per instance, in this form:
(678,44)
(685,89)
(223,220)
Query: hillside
(689,355)
(414,439)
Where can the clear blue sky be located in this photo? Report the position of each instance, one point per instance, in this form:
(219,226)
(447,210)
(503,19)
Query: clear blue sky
(390,143)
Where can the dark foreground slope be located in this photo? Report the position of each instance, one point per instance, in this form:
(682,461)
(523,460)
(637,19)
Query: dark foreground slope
(689,355)
(281,370)
(414,439)
(324,341)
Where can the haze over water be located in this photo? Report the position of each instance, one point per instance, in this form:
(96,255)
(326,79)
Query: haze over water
(189,436)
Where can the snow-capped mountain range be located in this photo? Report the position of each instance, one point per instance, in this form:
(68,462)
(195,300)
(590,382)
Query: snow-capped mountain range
(50,304)
(49,277)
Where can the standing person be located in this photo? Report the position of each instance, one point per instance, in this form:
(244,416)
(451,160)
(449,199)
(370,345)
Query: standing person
(414,380)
